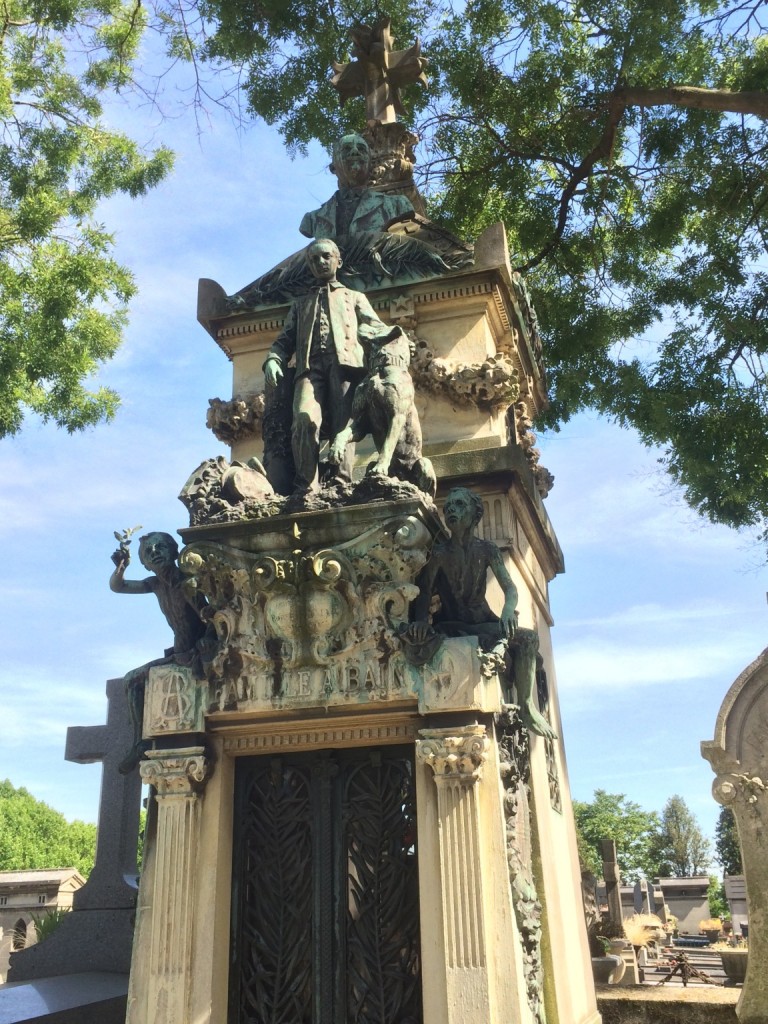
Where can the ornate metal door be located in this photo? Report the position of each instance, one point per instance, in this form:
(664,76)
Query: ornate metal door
(325,890)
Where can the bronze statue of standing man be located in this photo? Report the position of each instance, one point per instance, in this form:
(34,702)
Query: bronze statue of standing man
(327,333)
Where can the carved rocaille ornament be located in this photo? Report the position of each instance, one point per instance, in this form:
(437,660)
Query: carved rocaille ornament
(314,625)
(727,789)
(239,419)
(491,384)
(514,750)
(456,755)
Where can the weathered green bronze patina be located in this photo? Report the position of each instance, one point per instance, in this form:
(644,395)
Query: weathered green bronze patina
(354,207)
(457,573)
(183,608)
(382,239)
(327,333)
(383,406)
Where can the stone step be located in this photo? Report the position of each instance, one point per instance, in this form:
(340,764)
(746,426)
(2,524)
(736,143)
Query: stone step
(88,998)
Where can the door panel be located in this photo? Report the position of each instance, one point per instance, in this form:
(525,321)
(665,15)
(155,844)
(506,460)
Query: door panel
(325,890)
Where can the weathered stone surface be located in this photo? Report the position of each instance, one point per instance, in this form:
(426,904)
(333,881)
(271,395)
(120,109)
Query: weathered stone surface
(310,615)
(174,701)
(739,757)
(647,1005)
(99,931)
(378,71)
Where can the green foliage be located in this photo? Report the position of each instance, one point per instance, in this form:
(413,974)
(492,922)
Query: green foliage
(612,816)
(718,903)
(47,923)
(62,295)
(727,846)
(638,212)
(34,835)
(681,848)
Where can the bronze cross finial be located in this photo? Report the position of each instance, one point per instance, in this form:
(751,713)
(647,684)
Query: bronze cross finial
(378,72)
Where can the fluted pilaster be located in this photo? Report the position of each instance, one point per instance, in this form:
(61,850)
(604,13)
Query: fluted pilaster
(177,777)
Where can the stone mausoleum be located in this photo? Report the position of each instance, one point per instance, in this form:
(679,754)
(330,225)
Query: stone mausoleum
(26,895)
(359,804)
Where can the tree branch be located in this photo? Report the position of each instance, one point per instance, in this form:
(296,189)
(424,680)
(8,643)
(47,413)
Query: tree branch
(692,96)
(601,151)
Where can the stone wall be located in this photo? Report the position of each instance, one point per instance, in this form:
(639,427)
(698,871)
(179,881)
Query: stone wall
(647,1005)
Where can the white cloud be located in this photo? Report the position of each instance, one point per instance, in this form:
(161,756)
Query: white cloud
(597,667)
(656,614)
(610,494)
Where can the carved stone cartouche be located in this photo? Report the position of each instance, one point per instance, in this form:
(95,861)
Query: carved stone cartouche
(311,625)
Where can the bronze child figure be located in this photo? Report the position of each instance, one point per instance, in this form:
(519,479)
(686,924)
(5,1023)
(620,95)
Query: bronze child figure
(457,573)
(184,613)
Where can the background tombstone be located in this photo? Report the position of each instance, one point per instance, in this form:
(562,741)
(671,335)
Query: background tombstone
(612,882)
(739,757)
(612,878)
(645,901)
(97,935)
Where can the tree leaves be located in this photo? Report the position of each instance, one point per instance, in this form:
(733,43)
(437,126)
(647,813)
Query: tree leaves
(612,816)
(680,848)
(623,145)
(34,835)
(62,296)
(727,846)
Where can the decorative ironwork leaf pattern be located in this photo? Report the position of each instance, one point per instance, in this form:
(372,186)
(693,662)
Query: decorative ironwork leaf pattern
(325,890)
(383,923)
(273,955)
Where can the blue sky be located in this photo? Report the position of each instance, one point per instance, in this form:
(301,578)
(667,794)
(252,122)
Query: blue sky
(655,616)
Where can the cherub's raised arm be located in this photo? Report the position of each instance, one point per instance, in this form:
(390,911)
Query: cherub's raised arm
(117,581)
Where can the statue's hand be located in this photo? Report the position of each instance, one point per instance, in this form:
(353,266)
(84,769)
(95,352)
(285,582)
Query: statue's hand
(121,558)
(336,454)
(273,372)
(418,632)
(508,623)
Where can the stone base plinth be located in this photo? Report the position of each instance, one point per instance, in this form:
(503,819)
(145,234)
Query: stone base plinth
(644,1004)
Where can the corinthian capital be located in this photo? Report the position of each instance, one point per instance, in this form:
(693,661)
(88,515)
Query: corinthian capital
(455,754)
(178,772)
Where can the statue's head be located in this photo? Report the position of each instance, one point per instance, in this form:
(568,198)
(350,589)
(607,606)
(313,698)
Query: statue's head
(323,258)
(462,508)
(352,160)
(157,551)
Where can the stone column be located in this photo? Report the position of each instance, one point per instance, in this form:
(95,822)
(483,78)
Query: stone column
(166,957)
(456,756)
(747,796)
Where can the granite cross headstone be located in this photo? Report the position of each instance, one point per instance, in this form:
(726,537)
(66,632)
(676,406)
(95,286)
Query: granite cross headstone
(98,934)
(112,882)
